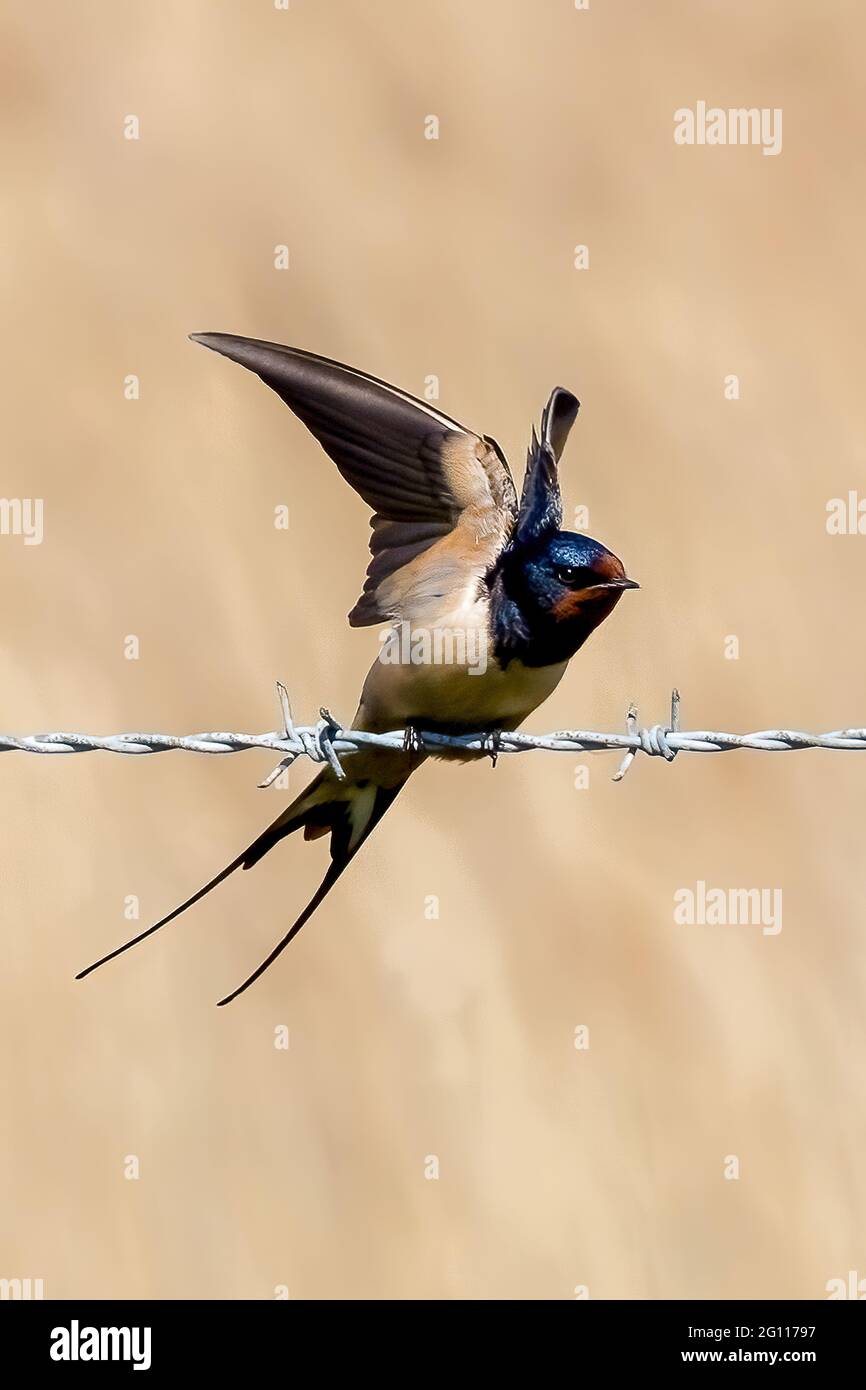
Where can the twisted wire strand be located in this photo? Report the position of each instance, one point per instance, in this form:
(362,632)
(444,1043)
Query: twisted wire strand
(327,741)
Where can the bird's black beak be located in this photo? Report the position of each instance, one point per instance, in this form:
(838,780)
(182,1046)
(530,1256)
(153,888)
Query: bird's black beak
(605,587)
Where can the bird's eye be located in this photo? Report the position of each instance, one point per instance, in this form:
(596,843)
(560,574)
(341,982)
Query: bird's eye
(566,574)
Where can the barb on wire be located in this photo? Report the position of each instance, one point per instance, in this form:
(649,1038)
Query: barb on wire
(328,741)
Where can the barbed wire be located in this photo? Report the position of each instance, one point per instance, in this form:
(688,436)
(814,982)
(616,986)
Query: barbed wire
(327,741)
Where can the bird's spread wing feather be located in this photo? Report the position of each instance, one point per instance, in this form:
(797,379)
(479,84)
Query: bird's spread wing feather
(540,499)
(438,490)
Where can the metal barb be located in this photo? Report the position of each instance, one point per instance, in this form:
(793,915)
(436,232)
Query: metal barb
(288,733)
(327,731)
(285,710)
(631,725)
(654,741)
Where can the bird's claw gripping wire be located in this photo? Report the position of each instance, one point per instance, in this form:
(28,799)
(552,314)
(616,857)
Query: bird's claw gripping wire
(492,744)
(412,740)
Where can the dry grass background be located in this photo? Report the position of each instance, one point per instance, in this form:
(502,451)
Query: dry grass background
(411,1037)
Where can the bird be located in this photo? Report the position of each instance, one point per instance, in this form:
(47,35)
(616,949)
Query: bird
(453,551)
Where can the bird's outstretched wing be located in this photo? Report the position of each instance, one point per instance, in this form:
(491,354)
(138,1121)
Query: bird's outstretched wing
(443,496)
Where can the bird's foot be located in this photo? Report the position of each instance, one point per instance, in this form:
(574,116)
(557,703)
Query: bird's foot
(412,741)
(493,745)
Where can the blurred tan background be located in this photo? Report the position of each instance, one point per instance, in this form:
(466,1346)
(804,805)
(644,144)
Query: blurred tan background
(410,1037)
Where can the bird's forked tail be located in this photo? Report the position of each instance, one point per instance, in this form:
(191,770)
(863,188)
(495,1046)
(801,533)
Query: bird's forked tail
(350,811)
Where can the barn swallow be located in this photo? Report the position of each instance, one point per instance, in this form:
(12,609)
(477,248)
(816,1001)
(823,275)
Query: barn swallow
(453,551)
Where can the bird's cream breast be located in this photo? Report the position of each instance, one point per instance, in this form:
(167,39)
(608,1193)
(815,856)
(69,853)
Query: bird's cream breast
(448,674)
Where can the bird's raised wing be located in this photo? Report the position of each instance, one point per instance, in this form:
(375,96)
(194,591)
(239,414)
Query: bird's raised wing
(540,499)
(443,497)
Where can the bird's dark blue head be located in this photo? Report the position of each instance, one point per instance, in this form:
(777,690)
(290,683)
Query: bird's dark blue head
(550,589)
(567,575)
(549,594)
